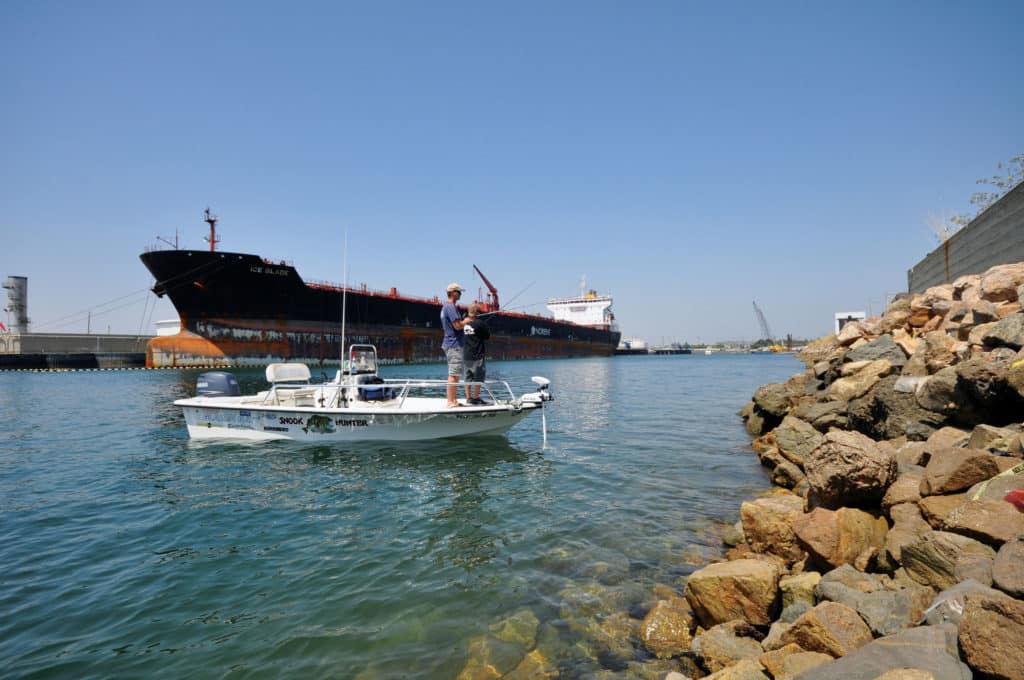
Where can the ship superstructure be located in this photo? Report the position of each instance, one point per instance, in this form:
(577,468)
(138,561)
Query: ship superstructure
(586,309)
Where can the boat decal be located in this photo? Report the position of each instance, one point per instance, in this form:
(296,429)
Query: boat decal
(349,422)
(319,425)
(272,428)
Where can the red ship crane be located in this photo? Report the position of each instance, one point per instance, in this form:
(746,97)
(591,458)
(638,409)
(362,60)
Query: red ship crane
(212,238)
(492,298)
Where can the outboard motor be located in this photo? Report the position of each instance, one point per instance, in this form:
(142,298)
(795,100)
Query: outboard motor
(217,384)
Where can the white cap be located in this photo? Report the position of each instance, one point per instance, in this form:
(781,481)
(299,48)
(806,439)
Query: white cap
(455,286)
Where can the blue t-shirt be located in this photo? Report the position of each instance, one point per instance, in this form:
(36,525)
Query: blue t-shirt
(452,337)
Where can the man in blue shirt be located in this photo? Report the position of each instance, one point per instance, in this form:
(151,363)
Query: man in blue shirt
(452,323)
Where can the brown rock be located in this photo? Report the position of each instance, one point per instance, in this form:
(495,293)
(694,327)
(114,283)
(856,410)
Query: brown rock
(767,524)
(908,525)
(745,589)
(992,635)
(859,377)
(830,628)
(907,342)
(933,558)
(906,488)
(1008,569)
(839,536)
(665,631)
(725,644)
(848,468)
(950,470)
(534,666)
(946,437)
(1000,283)
(987,437)
(913,453)
(849,334)
(991,522)
(936,508)
(747,669)
(773,660)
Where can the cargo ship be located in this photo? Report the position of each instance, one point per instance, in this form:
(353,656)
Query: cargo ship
(237,309)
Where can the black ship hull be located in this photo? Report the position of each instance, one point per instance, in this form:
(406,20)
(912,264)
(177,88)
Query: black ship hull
(239,309)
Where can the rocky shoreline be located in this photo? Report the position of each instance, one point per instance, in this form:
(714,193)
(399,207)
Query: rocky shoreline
(892,543)
(894,546)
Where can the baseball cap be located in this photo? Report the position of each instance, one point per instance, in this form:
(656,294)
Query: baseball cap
(455,286)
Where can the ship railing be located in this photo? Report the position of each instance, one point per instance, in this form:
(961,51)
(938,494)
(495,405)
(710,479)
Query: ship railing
(495,390)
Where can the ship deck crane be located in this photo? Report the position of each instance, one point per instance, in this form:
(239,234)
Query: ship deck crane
(492,297)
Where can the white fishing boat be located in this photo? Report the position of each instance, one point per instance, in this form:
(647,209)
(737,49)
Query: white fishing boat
(356,405)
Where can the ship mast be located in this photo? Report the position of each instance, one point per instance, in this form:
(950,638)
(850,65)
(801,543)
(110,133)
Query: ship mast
(212,238)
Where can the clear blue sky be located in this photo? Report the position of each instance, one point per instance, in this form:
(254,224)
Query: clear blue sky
(687,157)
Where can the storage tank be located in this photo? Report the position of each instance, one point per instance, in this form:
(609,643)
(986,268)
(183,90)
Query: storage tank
(17,303)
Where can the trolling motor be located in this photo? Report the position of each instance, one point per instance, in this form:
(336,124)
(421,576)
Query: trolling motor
(539,397)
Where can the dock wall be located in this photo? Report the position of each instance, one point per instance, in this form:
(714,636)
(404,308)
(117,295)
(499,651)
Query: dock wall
(996,236)
(49,351)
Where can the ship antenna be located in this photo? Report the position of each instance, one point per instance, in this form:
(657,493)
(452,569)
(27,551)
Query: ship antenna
(212,238)
(583,285)
(344,303)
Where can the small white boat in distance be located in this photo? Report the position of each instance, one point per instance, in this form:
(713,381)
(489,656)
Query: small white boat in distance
(358,405)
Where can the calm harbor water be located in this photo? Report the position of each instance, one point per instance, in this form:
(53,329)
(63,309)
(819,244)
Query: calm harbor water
(128,551)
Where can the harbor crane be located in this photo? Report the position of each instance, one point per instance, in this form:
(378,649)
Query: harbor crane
(766,332)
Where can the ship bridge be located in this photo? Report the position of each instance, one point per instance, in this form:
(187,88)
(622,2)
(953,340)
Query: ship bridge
(586,309)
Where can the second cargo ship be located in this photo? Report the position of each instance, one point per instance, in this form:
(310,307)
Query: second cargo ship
(238,309)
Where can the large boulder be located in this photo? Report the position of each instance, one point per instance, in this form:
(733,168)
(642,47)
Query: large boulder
(933,559)
(796,439)
(829,628)
(767,524)
(725,644)
(951,469)
(840,536)
(1008,332)
(883,347)
(665,631)
(992,635)
(885,413)
(745,589)
(932,649)
(989,521)
(1008,569)
(999,284)
(935,509)
(859,381)
(986,396)
(772,400)
(849,469)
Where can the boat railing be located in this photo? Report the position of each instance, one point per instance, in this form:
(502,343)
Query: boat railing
(496,390)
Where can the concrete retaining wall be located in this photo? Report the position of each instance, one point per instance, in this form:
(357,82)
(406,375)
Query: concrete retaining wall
(70,343)
(994,237)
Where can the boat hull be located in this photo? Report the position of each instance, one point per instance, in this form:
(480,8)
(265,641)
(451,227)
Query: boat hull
(214,422)
(238,310)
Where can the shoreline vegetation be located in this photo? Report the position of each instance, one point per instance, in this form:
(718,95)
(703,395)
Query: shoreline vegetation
(891,545)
